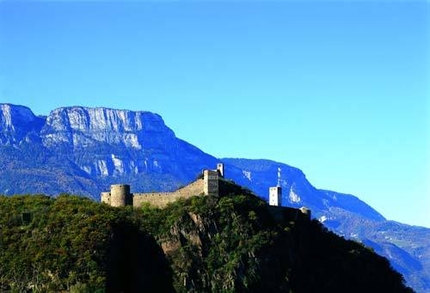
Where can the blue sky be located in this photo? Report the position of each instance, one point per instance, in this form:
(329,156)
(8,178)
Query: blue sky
(338,89)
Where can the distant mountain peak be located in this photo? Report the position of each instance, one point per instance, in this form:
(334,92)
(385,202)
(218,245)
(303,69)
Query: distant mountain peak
(16,122)
(10,114)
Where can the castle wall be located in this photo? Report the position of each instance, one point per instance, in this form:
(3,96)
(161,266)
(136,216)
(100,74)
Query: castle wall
(120,195)
(161,199)
(287,214)
(105,197)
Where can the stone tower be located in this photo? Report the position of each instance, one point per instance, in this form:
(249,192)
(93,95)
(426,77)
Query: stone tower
(275,196)
(275,193)
(220,169)
(120,195)
(210,178)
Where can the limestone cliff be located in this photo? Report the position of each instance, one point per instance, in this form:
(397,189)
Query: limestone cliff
(17,123)
(124,142)
(80,127)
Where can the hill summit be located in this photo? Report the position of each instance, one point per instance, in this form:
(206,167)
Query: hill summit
(234,243)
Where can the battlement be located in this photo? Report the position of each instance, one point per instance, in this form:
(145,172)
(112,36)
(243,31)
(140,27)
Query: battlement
(161,199)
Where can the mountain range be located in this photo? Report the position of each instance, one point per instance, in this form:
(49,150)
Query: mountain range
(82,151)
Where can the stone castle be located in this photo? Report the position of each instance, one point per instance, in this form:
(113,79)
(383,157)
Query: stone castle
(120,195)
(208,184)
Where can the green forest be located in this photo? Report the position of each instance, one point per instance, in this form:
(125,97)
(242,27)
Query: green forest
(203,244)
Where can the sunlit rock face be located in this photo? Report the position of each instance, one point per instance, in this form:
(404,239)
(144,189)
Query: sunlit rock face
(79,127)
(16,123)
(126,142)
(104,142)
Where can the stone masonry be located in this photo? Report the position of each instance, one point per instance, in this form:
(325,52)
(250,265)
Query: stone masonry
(120,195)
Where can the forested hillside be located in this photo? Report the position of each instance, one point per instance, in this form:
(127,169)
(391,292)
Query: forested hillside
(203,244)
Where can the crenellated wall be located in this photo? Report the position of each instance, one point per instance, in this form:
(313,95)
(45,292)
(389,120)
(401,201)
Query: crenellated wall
(161,199)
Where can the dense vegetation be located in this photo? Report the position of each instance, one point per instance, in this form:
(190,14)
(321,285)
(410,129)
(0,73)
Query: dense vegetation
(203,244)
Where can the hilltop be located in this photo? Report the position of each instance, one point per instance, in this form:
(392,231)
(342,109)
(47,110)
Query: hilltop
(202,244)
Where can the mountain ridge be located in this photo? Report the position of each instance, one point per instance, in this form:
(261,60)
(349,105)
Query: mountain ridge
(83,150)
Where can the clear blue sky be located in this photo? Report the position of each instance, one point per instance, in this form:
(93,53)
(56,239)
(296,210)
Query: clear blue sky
(338,89)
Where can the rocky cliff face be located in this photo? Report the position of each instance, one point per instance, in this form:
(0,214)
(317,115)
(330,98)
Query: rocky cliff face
(123,142)
(79,127)
(16,123)
(104,142)
(82,151)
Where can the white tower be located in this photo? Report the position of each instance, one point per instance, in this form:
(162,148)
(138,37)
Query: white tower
(275,193)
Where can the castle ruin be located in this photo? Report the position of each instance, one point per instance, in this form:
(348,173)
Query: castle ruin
(120,195)
(208,184)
